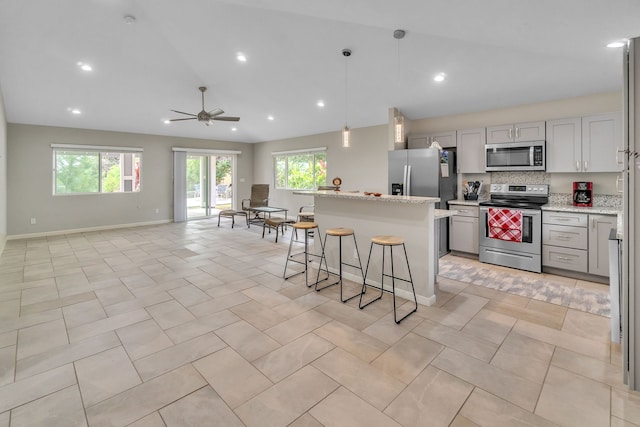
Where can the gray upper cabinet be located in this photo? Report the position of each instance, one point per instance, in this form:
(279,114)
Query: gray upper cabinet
(564,145)
(585,144)
(470,150)
(601,140)
(445,139)
(518,132)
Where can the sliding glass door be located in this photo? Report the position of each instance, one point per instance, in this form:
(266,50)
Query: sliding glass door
(209,184)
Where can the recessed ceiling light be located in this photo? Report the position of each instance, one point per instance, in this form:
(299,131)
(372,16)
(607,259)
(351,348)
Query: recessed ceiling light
(270,118)
(241,57)
(440,77)
(129,19)
(320,103)
(616,44)
(234,129)
(166,121)
(84,66)
(74,111)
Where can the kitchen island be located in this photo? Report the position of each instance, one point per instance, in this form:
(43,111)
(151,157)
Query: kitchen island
(410,217)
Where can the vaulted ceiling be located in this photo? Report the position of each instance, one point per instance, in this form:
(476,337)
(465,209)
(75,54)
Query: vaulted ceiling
(494,53)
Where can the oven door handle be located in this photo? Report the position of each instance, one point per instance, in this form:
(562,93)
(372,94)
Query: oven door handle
(528,212)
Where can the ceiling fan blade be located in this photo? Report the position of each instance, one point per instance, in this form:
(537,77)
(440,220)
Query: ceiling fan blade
(216,112)
(182,112)
(178,120)
(226,118)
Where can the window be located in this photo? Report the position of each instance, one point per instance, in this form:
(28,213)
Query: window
(84,169)
(300,170)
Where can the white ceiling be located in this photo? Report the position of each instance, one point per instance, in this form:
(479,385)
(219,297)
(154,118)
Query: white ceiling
(496,53)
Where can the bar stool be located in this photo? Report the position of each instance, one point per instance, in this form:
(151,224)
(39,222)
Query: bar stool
(308,227)
(390,242)
(340,233)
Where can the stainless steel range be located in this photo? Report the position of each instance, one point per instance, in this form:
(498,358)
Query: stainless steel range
(510,226)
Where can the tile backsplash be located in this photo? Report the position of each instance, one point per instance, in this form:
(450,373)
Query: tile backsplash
(555,197)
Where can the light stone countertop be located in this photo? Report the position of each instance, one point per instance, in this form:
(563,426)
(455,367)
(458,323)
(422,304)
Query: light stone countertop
(600,210)
(385,198)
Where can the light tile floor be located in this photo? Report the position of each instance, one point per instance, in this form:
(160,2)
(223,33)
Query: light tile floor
(192,325)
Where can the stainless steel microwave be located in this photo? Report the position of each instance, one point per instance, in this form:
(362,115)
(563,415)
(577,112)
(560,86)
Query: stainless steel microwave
(515,156)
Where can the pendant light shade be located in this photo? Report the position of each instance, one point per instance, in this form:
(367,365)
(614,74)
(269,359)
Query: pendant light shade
(346,132)
(398,129)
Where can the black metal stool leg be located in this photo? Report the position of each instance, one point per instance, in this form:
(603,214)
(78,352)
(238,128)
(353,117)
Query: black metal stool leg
(413,289)
(364,283)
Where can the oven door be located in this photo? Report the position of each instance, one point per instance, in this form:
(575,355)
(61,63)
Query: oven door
(531,232)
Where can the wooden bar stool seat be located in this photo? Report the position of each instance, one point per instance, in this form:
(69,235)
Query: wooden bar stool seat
(388,242)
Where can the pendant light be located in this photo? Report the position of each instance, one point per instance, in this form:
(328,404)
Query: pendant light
(346,132)
(398,127)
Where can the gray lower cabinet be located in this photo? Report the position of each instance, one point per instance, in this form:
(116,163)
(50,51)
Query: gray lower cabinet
(463,229)
(599,228)
(576,241)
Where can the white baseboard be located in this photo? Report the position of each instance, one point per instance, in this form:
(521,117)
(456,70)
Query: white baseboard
(85,230)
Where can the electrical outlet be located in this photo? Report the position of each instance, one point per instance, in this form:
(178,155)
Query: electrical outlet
(33,221)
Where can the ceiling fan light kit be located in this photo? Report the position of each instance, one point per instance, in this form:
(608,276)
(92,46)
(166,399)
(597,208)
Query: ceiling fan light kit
(206,117)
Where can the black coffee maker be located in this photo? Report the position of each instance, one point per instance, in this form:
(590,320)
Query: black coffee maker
(583,193)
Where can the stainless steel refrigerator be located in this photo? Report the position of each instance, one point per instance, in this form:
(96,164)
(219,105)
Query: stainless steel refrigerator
(421,172)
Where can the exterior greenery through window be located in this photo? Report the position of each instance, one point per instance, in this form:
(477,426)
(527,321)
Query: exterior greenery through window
(89,171)
(300,171)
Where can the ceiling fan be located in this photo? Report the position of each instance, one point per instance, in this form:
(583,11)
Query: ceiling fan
(204,116)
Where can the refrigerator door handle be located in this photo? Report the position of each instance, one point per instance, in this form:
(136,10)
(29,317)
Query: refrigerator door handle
(408,187)
(404,180)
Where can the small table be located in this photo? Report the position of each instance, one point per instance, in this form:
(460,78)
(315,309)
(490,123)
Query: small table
(266,212)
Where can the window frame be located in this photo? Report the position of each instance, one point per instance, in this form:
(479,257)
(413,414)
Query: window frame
(100,151)
(286,155)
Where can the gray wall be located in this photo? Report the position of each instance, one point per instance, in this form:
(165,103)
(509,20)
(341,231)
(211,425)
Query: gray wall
(362,166)
(3,175)
(30,180)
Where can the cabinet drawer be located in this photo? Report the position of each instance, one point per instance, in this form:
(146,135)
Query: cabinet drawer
(565,258)
(565,236)
(565,218)
(464,210)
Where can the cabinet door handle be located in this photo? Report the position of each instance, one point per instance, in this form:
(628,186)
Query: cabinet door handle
(586,165)
(517,133)
(564,258)
(618,160)
(618,181)
(511,133)
(578,165)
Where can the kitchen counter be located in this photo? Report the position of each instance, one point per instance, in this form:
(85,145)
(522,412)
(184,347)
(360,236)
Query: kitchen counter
(412,218)
(384,198)
(600,210)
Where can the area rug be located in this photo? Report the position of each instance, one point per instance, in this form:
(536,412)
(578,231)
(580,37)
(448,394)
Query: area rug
(523,284)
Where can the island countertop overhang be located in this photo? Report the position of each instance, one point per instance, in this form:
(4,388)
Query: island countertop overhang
(385,198)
